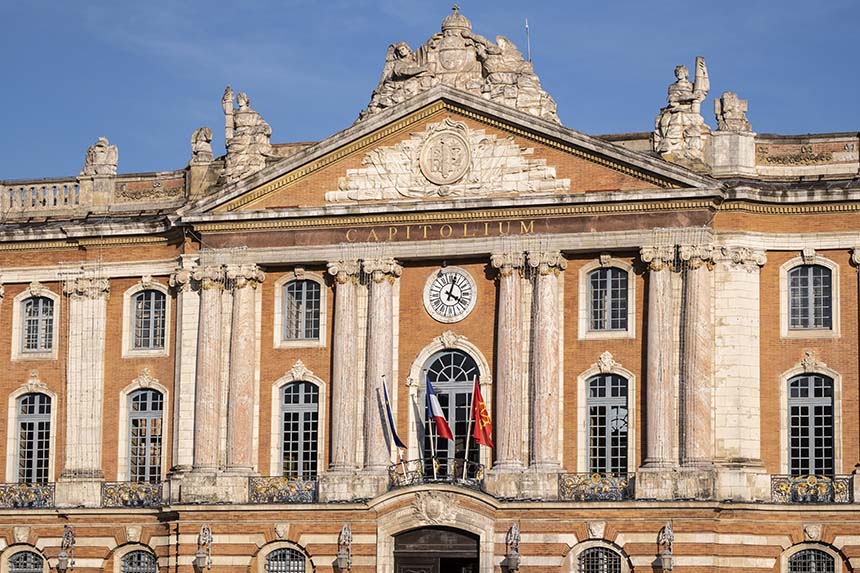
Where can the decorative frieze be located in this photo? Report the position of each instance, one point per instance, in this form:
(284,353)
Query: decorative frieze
(658,257)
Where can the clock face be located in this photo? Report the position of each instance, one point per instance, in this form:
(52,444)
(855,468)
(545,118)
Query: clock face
(449,295)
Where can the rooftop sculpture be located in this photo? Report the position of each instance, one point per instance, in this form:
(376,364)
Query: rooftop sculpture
(680,130)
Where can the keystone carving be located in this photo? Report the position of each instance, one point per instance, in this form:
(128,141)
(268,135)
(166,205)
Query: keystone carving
(596,529)
(812,531)
(145,379)
(132,533)
(810,363)
(298,372)
(606,362)
(808,256)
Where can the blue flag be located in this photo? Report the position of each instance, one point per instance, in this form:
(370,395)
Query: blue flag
(394,435)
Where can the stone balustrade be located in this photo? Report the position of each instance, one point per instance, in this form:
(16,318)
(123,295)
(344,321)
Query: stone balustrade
(39,196)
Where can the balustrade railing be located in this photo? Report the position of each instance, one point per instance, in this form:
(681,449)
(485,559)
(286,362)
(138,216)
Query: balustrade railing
(280,489)
(811,489)
(595,487)
(457,472)
(33,197)
(131,494)
(26,495)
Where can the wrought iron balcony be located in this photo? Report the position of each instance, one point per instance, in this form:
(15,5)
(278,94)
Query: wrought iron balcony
(131,494)
(280,489)
(595,487)
(413,472)
(27,495)
(811,489)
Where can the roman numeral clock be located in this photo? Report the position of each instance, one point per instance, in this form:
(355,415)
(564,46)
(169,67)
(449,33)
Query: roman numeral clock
(449,295)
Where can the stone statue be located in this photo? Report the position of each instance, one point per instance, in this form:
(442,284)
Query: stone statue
(344,540)
(459,58)
(101,158)
(666,537)
(680,131)
(201,145)
(248,137)
(731,112)
(512,540)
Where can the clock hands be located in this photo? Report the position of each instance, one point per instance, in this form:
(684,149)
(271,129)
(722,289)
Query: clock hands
(450,293)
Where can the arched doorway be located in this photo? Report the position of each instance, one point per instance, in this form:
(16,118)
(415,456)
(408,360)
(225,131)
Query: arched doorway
(435,550)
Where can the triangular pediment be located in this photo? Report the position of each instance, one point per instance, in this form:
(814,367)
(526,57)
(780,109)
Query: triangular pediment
(447,144)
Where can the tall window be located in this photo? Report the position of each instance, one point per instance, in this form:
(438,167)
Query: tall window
(139,562)
(452,373)
(34,438)
(26,562)
(145,433)
(301,310)
(811,561)
(299,430)
(810,414)
(607,294)
(150,308)
(38,325)
(599,560)
(285,560)
(607,424)
(810,297)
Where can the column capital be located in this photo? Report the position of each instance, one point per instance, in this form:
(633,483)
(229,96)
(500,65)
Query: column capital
(241,276)
(344,270)
(209,277)
(507,262)
(657,258)
(546,262)
(181,279)
(744,257)
(87,287)
(381,269)
(696,255)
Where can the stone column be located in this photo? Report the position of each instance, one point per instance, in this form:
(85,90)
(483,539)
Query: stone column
(82,467)
(380,347)
(659,367)
(509,407)
(207,388)
(546,368)
(345,433)
(697,360)
(244,280)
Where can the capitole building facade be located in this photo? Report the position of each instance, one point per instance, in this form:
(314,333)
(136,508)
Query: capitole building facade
(663,327)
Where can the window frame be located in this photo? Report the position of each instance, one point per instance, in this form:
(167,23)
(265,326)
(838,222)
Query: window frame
(786,331)
(129,320)
(15,549)
(585,332)
(279,298)
(32,386)
(298,373)
(838,560)
(302,409)
(18,330)
(120,553)
(607,402)
(148,415)
(144,381)
(572,560)
(134,551)
(262,557)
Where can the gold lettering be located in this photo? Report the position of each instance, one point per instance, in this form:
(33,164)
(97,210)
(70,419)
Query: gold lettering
(527,229)
(373,236)
(508,229)
(486,229)
(442,231)
(408,230)
(425,227)
(350,238)
(466,231)
(391,232)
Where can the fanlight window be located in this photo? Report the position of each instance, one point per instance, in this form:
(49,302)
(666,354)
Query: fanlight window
(38,327)
(299,430)
(139,562)
(607,424)
(34,438)
(150,310)
(145,434)
(810,414)
(285,560)
(599,560)
(301,310)
(607,295)
(810,297)
(811,561)
(26,562)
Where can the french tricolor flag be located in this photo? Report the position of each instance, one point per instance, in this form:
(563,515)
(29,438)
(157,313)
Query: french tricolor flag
(434,410)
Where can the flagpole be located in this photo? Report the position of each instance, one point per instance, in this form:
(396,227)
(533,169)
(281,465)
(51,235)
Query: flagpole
(430,425)
(469,427)
(399,450)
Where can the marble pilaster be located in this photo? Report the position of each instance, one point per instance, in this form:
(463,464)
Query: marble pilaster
(244,280)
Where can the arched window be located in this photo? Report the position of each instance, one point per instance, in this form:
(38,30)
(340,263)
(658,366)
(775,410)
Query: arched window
(26,562)
(299,430)
(34,438)
(599,560)
(145,409)
(285,560)
(811,561)
(149,309)
(810,300)
(810,432)
(452,374)
(38,326)
(301,320)
(607,296)
(607,424)
(139,562)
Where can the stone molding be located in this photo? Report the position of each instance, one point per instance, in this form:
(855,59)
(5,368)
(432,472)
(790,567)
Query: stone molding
(344,270)
(696,256)
(658,257)
(241,276)
(507,263)
(546,262)
(382,269)
(86,287)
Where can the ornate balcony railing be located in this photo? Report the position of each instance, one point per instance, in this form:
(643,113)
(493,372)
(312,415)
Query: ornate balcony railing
(595,487)
(280,489)
(27,495)
(811,489)
(131,494)
(413,472)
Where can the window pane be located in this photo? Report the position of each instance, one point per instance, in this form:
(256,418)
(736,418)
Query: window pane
(150,308)
(301,310)
(144,435)
(299,430)
(34,438)
(810,420)
(607,424)
(285,561)
(810,297)
(608,299)
(38,327)
(26,562)
(139,562)
(810,561)
(599,560)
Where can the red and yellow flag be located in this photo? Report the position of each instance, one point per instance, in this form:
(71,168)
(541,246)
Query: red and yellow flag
(483,430)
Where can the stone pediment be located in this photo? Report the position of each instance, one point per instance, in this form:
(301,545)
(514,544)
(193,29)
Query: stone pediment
(448,159)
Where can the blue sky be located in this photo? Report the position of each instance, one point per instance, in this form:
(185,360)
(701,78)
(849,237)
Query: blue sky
(146,74)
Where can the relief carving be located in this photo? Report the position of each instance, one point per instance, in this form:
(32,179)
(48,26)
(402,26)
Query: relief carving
(435,508)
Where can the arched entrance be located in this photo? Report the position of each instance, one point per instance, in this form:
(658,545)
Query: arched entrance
(435,550)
